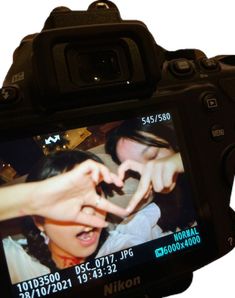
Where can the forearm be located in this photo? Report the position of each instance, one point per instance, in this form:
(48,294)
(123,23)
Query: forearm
(15,200)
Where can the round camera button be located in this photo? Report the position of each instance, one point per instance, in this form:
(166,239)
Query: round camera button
(210,64)
(8,94)
(181,68)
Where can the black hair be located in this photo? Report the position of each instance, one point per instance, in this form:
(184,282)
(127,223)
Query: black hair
(49,166)
(176,207)
(133,129)
(59,162)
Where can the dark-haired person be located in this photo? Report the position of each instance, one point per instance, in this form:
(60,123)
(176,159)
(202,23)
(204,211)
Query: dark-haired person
(68,192)
(152,151)
(57,242)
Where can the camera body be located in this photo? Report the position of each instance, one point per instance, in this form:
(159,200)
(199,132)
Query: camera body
(87,66)
(112,57)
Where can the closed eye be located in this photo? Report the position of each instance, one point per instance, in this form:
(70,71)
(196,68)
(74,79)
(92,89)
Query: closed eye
(150,153)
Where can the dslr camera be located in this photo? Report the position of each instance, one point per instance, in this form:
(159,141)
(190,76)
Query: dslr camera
(94,82)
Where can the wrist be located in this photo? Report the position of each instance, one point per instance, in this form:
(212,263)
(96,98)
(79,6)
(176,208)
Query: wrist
(28,206)
(16,200)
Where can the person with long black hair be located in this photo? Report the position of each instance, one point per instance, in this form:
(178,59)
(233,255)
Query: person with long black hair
(152,151)
(68,191)
(52,242)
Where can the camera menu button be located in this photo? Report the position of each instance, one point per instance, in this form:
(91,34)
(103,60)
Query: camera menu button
(217,132)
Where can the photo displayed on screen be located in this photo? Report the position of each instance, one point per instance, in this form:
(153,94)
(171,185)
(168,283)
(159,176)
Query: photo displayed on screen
(144,154)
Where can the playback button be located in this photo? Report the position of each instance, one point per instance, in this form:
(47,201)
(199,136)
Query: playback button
(211,102)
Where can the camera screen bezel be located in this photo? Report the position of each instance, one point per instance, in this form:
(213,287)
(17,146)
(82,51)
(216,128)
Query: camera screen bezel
(187,261)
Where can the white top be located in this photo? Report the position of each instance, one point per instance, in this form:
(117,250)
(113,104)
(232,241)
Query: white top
(135,230)
(21,265)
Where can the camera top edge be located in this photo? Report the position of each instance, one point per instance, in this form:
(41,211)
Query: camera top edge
(93,57)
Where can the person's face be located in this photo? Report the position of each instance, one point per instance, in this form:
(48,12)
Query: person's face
(130,149)
(71,239)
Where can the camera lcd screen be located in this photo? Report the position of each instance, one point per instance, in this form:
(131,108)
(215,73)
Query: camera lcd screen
(46,257)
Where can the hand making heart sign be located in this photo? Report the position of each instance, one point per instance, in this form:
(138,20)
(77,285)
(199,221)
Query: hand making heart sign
(65,197)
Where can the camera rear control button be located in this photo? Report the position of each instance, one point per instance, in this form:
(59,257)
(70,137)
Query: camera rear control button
(210,64)
(8,94)
(217,132)
(211,102)
(181,67)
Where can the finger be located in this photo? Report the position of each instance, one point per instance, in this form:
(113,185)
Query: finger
(101,203)
(156,178)
(141,191)
(172,186)
(98,171)
(168,190)
(102,172)
(129,165)
(107,176)
(167,176)
(88,210)
(90,220)
(95,175)
(149,191)
(116,180)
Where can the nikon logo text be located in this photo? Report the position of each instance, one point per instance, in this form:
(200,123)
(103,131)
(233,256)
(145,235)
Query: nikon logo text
(121,285)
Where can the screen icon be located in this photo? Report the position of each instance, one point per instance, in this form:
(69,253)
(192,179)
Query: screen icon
(159,252)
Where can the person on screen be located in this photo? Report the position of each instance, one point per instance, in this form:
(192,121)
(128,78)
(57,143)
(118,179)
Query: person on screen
(61,193)
(53,244)
(152,151)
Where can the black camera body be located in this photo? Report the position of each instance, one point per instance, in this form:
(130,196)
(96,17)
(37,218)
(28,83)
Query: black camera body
(112,57)
(85,67)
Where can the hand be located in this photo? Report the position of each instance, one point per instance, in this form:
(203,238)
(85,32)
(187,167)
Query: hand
(158,174)
(63,197)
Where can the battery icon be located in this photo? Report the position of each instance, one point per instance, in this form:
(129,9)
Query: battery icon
(159,252)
